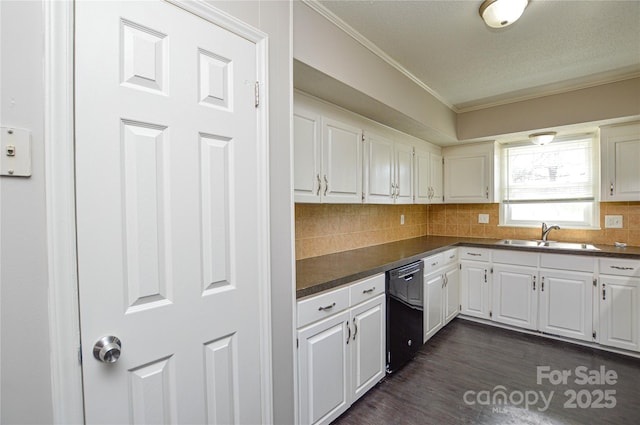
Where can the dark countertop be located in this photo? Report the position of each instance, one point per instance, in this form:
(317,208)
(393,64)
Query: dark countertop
(322,273)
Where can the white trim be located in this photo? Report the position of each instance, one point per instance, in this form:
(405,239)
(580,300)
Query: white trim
(368,44)
(64,325)
(546,93)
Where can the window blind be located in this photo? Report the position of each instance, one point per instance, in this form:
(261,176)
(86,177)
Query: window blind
(559,171)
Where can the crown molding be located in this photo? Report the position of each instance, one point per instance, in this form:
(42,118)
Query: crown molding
(365,42)
(546,93)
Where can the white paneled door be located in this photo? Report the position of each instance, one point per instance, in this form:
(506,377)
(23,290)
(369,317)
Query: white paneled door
(170,210)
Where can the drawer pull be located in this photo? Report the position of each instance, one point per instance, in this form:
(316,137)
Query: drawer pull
(474,254)
(452,257)
(329,307)
(368,291)
(434,264)
(621,268)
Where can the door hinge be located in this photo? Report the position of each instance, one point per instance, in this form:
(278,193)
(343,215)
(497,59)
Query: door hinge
(595,281)
(442,161)
(594,334)
(297,343)
(460,266)
(490,314)
(362,196)
(363,136)
(491,270)
(257,93)
(80,355)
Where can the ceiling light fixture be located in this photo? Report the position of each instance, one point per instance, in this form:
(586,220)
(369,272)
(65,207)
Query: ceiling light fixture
(501,13)
(542,138)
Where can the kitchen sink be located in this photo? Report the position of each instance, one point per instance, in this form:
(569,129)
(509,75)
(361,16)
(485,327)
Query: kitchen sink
(548,244)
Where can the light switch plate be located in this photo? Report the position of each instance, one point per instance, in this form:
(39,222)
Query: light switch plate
(15,152)
(483,218)
(613,221)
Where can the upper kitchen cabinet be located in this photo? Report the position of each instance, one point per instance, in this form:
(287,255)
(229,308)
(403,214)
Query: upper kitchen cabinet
(428,187)
(471,173)
(327,159)
(388,171)
(620,156)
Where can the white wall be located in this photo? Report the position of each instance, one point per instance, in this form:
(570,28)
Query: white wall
(25,385)
(24,359)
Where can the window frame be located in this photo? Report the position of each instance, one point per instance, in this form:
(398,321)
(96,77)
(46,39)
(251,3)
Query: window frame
(591,219)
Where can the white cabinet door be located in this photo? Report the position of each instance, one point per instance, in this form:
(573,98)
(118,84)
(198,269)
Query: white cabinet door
(307,151)
(403,173)
(451,294)
(323,365)
(433,302)
(379,170)
(469,173)
(367,345)
(435,179)
(342,162)
(620,147)
(619,302)
(474,289)
(566,304)
(515,295)
(428,188)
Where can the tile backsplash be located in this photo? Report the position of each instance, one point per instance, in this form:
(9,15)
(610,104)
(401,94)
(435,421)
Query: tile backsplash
(327,228)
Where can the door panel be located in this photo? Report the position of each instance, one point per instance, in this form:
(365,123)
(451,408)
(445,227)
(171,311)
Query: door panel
(404,173)
(475,290)
(367,351)
(379,170)
(168,201)
(619,304)
(342,162)
(306,156)
(515,296)
(433,315)
(452,292)
(566,304)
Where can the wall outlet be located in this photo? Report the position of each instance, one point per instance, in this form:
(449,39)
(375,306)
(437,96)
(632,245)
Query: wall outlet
(483,218)
(613,221)
(401,218)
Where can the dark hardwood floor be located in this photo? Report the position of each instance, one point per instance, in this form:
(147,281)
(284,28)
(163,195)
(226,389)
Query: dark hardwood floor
(454,379)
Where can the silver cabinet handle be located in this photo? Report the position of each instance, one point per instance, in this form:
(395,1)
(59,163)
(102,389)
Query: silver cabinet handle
(542,284)
(604,293)
(349,335)
(621,268)
(329,307)
(326,185)
(534,283)
(487,192)
(611,189)
(485,275)
(107,349)
(368,291)
(319,184)
(473,254)
(355,327)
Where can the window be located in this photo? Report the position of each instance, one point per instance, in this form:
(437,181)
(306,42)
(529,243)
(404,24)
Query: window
(554,183)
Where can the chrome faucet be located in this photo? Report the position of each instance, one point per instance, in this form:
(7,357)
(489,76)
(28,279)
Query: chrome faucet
(546,230)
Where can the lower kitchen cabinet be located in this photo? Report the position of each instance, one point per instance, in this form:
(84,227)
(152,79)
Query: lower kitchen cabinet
(566,304)
(441,291)
(433,305)
(619,312)
(367,346)
(323,363)
(515,295)
(340,357)
(619,301)
(474,289)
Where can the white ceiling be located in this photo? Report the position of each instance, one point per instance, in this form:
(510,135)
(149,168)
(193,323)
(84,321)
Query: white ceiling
(557,45)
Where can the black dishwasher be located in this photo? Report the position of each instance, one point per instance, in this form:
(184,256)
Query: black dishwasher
(404,314)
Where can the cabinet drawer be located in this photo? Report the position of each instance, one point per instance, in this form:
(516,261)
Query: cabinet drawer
(433,262)
(620,267)
(475,254)
(515,258)
(450,256)
(366,288)
(320,306)
(567,262)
